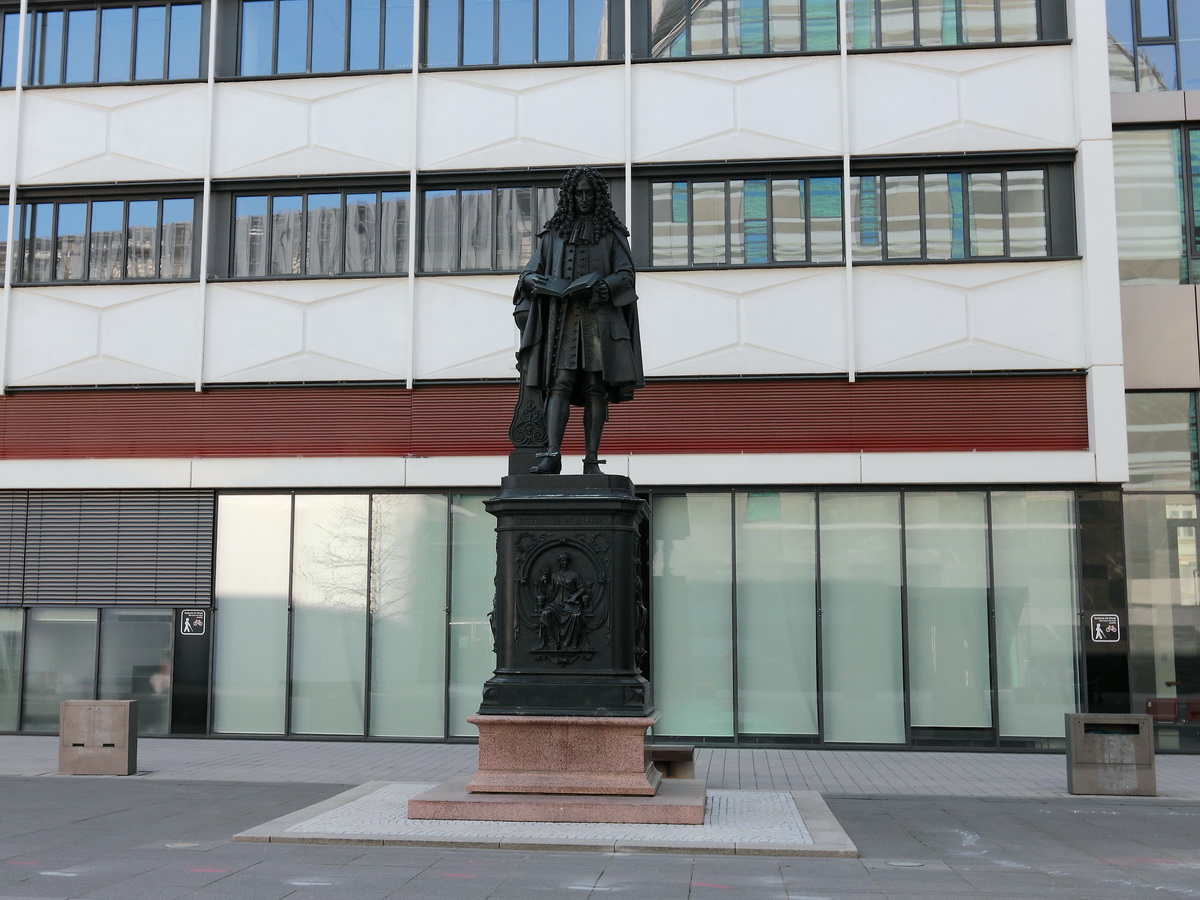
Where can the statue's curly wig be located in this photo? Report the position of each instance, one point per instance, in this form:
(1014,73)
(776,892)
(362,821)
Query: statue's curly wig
(604,218)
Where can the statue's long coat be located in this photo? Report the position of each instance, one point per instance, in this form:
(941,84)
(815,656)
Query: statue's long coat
(617,320)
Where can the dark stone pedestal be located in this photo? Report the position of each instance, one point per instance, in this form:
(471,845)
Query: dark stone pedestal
(568,632)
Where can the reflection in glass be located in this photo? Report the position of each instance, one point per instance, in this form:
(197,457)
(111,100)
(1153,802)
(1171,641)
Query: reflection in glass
(553,30)
(591,41)
(408,619)
(865,223)
(135,663)
(1018,20)
(987,213)
(291,47)
(257,33)
(776,612)
(60,663)
(476,224)
(440,234)
(140,239)
(947,569)
(364,35)
(184,61)
(784,17)
(329,608)
(1187,22)
(692,569)
(1148,166)
(1033,550)
(787,210)
(1026,196)
(47,45)
(514,227)
(708,223)
(748,222)
(441,34)
(938,21)
(979,22)
(821,32)
(860,618)
(151,40)
(668,28)
(362,228)
(287,235)
(324,251)
(707,28)
(81,45)
(8,63)
(176,258)
(71,241)
(397,32)
(10,667)
(393,240)
(516,32)
(1157,68)
(37,240)
(251,591)
(670,236)
(250,236)
(473,568)
(106,239)
(1162,441)
(1154,18)
(116,28)
(328,36)
(825,219)
(903,200)
(477,32)
(896,23)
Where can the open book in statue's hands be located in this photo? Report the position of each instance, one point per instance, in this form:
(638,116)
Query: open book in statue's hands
(580,288)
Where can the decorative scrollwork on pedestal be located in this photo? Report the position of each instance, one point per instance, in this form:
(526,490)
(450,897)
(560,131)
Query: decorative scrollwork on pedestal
(528,428)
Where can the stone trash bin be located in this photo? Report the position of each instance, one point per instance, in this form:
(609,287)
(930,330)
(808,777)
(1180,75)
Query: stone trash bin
(1110,754)
(97,737)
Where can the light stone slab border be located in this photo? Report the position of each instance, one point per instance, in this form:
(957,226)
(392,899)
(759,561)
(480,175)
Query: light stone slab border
(828,838)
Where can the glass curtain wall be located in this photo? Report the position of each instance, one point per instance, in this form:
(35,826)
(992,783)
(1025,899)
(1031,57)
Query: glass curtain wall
(11,628)
(866,617)
(135,663)
(60,663)
(472,587)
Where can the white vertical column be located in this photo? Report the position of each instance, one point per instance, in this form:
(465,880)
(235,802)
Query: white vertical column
(11,243)
(413,204)
(210,105)
(844,63)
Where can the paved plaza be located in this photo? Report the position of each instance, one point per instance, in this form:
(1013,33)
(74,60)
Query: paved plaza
(926,825)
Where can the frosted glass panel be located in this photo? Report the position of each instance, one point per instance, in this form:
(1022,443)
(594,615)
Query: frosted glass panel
(135,663)
(776,613)
(860,618)
(472,586)
(1033,546)
(329,608)
(408,614)
(60,664)
(10,667)
(692,615)
(946,558)
(250,666)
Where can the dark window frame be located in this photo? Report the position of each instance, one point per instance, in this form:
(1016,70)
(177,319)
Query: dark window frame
(29,198)
(222,234)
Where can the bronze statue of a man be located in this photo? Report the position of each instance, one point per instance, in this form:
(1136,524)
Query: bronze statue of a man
(577,310)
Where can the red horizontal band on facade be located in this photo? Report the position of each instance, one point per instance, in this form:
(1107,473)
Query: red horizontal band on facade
(907,414)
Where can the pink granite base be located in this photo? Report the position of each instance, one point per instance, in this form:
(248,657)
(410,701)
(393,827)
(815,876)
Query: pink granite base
(595,755)
(679,801)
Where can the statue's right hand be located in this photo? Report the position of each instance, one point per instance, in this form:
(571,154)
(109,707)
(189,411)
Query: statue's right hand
(535,282)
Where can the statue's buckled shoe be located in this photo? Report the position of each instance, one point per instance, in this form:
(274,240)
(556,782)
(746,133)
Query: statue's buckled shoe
(591,465)
(549,463)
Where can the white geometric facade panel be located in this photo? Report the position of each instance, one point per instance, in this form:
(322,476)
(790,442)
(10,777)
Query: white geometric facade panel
(522,117)
(8,127)
(352,329)
(104,334)
(313,126)
(463,327)
(737,109)
(747,322)
(968,317)
(104,134)
(952,102)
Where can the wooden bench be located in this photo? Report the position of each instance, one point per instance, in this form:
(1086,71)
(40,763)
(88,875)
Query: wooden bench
(673,760)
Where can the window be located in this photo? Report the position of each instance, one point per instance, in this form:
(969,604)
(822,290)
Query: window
(746,221)
(1154,45)
(135,239)
(483,229)
(327,232)
(292,37)
(950,215)
(521,32)
(1158,217)
(669,28)
(105,44)
(1017,212)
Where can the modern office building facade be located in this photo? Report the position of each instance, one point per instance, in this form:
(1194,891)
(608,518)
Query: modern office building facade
(258,357)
